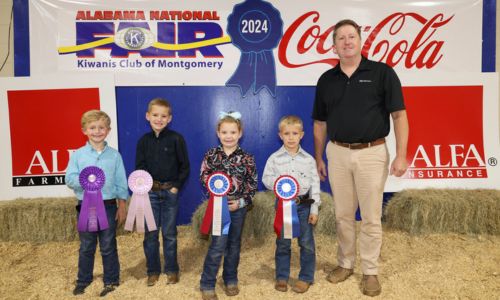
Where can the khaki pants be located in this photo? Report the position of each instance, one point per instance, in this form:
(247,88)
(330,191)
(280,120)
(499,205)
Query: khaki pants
(357,177)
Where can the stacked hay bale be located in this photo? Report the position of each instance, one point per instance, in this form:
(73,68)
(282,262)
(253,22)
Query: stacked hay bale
(442,211)
(38,220)
(259,221)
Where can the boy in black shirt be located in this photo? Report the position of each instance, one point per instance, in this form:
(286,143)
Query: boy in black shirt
(162,152)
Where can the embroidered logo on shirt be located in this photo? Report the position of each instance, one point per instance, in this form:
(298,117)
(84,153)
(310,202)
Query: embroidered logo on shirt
(365,80)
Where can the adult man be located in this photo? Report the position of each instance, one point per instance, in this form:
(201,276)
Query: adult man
(353,103)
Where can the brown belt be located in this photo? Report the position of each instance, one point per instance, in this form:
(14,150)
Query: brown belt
(158,186)
(356,146)
(304,199)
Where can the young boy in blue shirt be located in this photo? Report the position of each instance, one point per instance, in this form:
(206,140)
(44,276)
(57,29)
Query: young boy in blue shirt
(294,161)
(96,152)
(163,153)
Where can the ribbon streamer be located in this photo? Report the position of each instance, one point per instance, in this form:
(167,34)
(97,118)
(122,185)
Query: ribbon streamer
(92,213)
(286,220)
(140,211)
(217,212)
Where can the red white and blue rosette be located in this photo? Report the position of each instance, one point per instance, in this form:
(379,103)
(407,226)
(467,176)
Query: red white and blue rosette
(92,213)
(140,183)
(286,221)
(217,213)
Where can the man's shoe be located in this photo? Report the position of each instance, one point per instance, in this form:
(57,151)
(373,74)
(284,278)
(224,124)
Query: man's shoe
(281,285)
(339,274)
(232,290)
(79,289)
(172,278)
(370,285)
(152,279)
(208,295)
(108,288)
(301,286)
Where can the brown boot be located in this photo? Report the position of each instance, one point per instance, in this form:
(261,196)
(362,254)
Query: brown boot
(209,295)
(281,285)
(232,290)
(152,279)
(172,278)
(370,285)
(301,286)
(339,274)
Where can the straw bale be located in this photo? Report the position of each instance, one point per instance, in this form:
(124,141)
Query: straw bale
(445,210)
(259,221)
(39,220)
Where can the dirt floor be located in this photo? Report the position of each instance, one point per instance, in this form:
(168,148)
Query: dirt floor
(424,267)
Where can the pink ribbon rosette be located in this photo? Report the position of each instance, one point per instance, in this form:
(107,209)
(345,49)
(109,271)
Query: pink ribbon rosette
(140,183)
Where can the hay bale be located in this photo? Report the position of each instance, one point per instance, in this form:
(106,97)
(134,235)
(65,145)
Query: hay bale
(442,211)
(39,220)
(259,221)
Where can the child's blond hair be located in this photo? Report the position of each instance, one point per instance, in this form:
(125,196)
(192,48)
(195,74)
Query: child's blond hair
(290,120)
(95,115)
(160,102)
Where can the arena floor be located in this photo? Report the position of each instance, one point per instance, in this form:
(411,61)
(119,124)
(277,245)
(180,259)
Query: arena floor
(438,266)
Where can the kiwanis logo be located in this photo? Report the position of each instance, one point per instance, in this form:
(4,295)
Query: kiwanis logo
(134,38)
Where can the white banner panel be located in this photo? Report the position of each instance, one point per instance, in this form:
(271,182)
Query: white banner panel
(230,43)
(40,129)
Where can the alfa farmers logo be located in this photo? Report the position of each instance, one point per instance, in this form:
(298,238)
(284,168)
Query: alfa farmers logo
(43,138)
(155,39)
(394,40)
(446,140)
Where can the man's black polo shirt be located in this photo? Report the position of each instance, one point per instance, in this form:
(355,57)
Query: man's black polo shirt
(357,109)
(165,157)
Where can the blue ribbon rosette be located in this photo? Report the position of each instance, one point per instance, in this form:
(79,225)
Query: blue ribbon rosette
(255,27)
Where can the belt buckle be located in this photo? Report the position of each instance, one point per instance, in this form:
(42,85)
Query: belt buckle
(354,145)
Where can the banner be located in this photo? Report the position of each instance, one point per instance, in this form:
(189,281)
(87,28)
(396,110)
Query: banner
(454,132)
(40,129)
(212,42)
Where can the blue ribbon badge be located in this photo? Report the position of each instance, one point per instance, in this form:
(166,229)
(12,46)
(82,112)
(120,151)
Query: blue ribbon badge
(255,27)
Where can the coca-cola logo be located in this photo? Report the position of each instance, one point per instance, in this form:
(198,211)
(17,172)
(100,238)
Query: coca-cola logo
(408,39)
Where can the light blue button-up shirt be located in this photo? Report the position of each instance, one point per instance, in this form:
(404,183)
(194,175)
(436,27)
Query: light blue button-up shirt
(301,166)
(109,160)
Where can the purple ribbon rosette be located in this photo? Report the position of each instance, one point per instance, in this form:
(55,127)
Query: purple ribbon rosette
(255,27)
(140,183)
(92,213)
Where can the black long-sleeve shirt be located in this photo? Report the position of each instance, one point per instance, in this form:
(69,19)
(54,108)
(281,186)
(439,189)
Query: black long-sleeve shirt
(165,157)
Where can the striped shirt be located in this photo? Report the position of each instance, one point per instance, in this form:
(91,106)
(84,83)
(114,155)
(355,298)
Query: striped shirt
(301,166)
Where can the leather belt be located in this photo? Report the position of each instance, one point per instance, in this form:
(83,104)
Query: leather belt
(356,146)
(158,186)
(304,199)
(109,201)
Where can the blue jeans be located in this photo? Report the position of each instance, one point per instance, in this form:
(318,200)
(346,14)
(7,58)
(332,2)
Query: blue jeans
(165,206)
(109,252)
(229,246)
(307,250)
